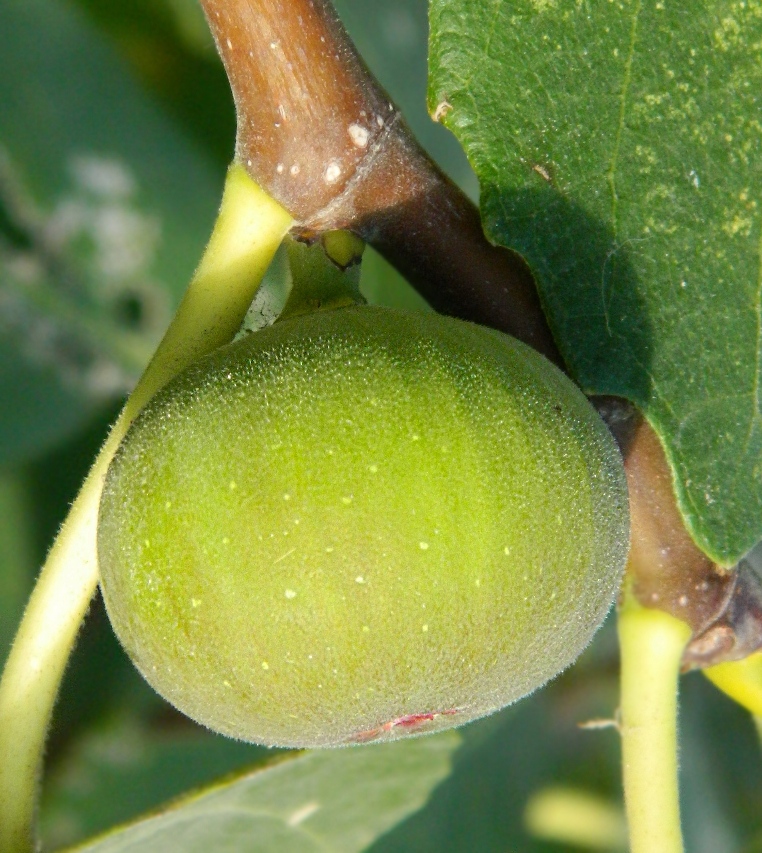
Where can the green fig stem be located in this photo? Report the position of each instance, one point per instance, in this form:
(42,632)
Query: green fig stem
(248,231)
(325,274)
(652,644)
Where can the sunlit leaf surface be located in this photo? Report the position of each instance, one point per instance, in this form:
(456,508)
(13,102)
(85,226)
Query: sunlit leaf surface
(619,149)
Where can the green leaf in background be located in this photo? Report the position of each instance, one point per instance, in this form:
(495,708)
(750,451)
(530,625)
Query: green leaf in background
(337,800)
(128,762)
(105,207)
(18,554)
(619,150)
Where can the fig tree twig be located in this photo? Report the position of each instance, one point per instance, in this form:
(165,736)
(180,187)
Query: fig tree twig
(319,134)
(723,606)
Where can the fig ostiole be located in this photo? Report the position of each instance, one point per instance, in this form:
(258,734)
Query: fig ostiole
(359,524)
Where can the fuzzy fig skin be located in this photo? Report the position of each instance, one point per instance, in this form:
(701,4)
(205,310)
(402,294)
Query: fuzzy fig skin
(360,524)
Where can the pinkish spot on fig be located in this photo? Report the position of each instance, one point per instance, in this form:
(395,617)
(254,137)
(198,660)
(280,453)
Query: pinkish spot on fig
(409,721)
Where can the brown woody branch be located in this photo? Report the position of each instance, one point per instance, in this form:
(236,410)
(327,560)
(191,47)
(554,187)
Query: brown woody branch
(322,137)
(722,606)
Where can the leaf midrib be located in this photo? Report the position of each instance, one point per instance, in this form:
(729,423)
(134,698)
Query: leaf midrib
(626,81)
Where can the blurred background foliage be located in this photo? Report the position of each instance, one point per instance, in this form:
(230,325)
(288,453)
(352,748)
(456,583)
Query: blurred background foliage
(116,126)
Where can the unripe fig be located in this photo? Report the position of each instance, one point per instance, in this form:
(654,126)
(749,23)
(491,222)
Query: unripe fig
(358,524)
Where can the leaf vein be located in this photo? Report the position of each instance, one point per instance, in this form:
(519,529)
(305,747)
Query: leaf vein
(495,17)
(611,174)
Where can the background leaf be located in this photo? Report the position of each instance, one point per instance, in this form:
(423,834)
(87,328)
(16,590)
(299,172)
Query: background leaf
(339,800)
(619,150)
(17,553)
(104,210)
(128,761)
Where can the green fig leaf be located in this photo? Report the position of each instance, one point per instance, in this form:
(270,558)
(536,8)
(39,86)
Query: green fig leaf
(619,150)
(127,751)
(105,207)
(337,800)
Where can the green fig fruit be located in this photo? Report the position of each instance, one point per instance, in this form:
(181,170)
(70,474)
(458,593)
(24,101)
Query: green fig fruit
(358,524)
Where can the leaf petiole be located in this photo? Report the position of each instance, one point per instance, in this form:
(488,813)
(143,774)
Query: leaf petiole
(652,644)
(248,231)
